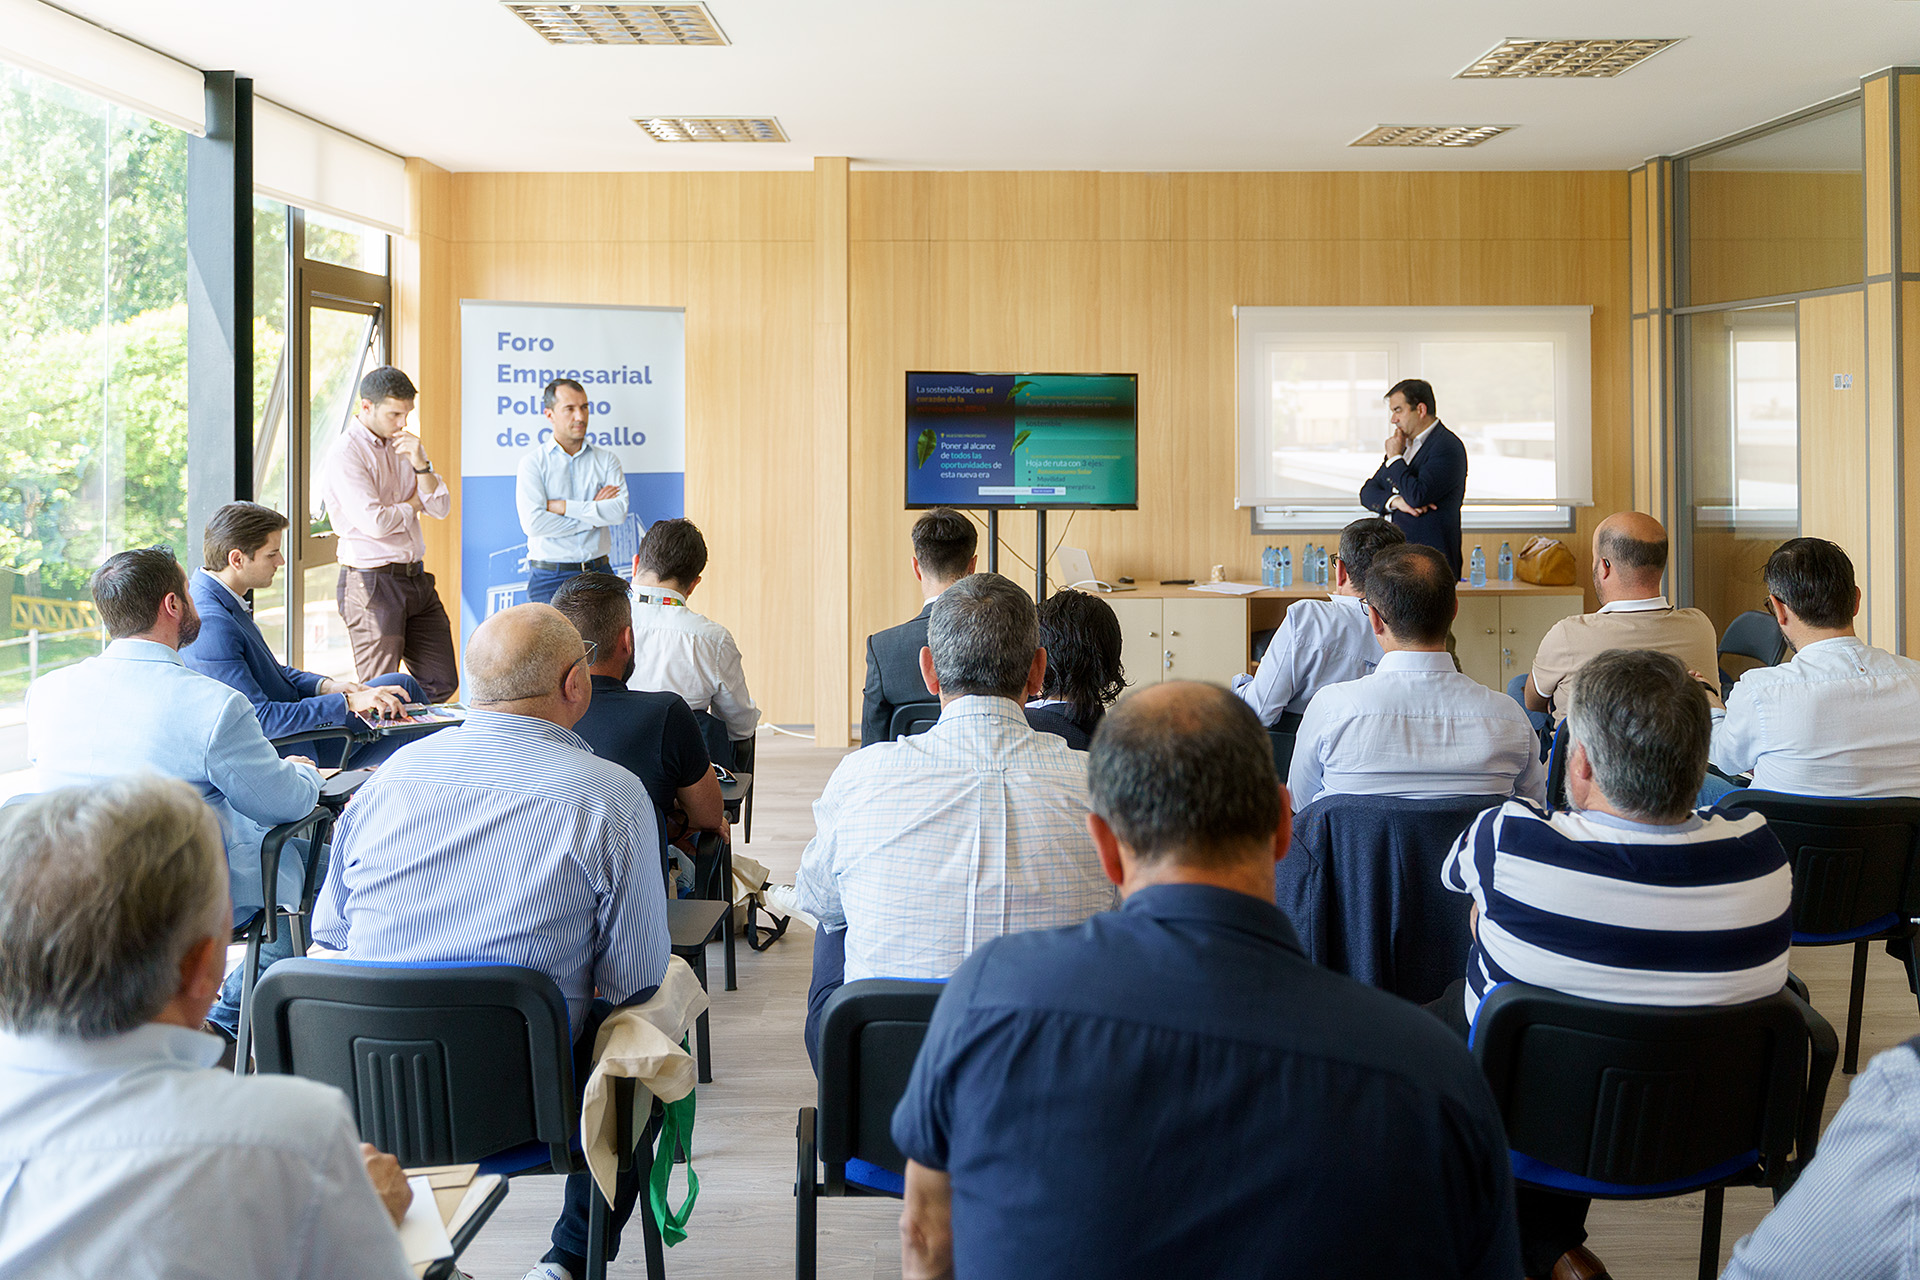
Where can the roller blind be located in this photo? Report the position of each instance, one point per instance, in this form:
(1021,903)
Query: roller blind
(1513,383)
(313,166)
(94,60)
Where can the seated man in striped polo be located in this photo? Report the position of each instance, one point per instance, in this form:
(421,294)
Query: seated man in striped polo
(1567,900)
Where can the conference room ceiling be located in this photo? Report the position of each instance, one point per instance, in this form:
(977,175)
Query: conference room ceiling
(1044,84)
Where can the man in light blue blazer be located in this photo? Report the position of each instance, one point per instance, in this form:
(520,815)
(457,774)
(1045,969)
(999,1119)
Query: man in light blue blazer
(137,707)
(242,552)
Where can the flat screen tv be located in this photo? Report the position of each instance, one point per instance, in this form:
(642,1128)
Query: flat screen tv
(1067,440)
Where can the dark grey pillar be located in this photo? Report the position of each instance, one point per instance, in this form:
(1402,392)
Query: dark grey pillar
(220,305)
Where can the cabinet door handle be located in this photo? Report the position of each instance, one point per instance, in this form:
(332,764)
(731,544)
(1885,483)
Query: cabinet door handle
(1153,635)
(1489,630)
(1173,633)
(1166,659)
(1513,631)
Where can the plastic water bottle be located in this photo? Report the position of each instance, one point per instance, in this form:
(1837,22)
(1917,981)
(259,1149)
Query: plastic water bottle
(1320,567)
(1285,569)
(1266,566)
(1506,562)
(1477,574)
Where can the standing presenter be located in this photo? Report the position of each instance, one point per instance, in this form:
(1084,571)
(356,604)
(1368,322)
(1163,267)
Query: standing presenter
(1422,480)
(570,493)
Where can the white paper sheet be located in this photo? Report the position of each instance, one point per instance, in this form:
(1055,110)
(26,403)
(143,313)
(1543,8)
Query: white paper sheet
(422,1234)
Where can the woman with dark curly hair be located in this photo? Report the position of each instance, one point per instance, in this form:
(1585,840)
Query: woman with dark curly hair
(1082,638)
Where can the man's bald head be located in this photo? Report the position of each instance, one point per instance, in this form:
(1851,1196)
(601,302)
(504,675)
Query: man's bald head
(522,654)
(1633,546)
(1184,771)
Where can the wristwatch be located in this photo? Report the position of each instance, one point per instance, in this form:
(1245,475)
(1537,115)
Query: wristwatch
(420,471)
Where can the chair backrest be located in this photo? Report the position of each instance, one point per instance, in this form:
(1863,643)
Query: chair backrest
(1755,635)
(910,718)
(442,1065)
(1632,1096)
(1283,741)
(1557,766)
(1853,860)
(869,1037)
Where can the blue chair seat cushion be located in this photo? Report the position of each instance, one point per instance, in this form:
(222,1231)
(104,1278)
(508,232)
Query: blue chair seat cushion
(872,1177)
(1538,1173)
(1872,929)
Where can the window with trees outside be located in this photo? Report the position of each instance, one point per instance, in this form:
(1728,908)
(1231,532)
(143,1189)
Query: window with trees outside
(93,374)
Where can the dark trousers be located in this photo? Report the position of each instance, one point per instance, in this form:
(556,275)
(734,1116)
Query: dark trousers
(1550,1223)
(570,1231)
(829,975)
(542,583)
(395,617)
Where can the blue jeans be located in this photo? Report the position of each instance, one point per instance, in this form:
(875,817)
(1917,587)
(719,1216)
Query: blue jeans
(542,583)
(1516,689)
(226,1010)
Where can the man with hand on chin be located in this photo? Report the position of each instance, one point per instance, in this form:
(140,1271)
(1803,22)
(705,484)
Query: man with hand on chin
(242,553)
(570,493)
(376,485)
(1422,480)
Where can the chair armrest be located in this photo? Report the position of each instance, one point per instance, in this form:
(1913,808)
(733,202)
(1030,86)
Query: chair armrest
(315,826)
(334,733)
(1823,1050)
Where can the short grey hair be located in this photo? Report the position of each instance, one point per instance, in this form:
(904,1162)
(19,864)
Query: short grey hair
(983,632)
(1645,724)
(103,891)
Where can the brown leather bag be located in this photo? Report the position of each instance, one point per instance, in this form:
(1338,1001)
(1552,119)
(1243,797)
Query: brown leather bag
(1545,562)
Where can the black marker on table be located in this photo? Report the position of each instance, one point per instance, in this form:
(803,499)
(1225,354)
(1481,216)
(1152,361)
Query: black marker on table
(1176,582)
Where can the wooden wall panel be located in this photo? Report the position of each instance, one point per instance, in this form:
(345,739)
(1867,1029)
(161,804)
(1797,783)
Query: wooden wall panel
(1757,235)
(1877,179)
(1833,424)
(425,345)
(1910,459)
(830,499)
(1105,281)
(1883,465)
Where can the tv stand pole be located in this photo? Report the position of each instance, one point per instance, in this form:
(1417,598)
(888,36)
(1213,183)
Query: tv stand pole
(993,540)
(1039,554)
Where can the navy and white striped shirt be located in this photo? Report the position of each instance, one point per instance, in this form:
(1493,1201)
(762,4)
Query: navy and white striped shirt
(1697,913)
(505,841)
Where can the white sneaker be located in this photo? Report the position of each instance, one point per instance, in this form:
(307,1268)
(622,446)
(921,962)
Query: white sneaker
(549,1271)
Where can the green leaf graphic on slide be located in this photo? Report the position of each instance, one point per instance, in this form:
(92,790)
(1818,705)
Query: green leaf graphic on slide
(1018,387)
(924,448)
(1021,439)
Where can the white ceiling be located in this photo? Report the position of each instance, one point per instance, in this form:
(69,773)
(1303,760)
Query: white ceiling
(1047,84)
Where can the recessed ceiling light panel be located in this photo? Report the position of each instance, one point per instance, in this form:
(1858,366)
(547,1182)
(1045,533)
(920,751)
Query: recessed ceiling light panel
(1429,135)
(620,23)
(712,128)
(1519,59)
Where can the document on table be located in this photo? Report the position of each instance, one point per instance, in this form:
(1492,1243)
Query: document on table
(1228,588)
(423,1234)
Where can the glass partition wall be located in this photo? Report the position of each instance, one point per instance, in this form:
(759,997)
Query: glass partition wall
(1765,221)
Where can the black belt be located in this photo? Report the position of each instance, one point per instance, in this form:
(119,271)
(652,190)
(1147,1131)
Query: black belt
(549,566)
(411,569)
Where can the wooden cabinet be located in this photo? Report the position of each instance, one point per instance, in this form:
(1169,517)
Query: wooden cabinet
(1495,637)
(1181,639)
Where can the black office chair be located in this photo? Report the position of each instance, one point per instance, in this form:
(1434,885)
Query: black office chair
(1854,877)
(869,1037)
(1557,767)
(910,718)
(1754,635)
(713,882)
(451,1065)
(740,805)
(1632,1102)
(341,734)
(1283,742)
(264,926)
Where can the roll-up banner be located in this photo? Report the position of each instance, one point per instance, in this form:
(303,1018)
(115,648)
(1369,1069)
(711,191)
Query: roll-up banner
(632,363)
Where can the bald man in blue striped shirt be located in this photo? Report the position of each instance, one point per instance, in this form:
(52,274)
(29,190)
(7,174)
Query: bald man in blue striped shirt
(507,841)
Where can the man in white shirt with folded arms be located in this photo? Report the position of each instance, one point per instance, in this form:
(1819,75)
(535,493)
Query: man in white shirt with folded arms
(123,1153)
(1842,718)
(1321,642)
(1416,727)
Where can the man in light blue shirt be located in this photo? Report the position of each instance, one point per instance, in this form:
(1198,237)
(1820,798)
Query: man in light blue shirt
(570,493)
(137,707)
(120,1153)
(1321,642)
(508,841)
(1416,727)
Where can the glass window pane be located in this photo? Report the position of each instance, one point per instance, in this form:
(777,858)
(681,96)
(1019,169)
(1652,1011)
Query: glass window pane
(342,347)
(1777,214)
(93,341)
(1327,419)
(332,239)
(328,651)
(1499,401)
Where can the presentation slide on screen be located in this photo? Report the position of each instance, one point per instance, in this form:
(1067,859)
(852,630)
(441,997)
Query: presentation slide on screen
(982,440)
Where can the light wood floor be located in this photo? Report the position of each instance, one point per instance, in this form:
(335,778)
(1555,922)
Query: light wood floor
(744,1146)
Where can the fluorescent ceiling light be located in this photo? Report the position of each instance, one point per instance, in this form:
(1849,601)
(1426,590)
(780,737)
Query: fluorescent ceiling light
(712,128)
(1429,135)
(620,23)
(1521,59)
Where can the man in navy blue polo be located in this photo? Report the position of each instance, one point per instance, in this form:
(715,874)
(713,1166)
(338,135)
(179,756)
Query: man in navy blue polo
(1173,1088)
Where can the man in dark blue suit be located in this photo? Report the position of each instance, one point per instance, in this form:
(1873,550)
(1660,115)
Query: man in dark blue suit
(242,549)
(1422,481)
(944,541)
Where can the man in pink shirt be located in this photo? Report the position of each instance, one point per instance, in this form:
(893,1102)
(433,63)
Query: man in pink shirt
(376,483)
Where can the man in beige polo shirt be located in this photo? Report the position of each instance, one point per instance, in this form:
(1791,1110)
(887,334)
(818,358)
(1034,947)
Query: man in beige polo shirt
(1629,559)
